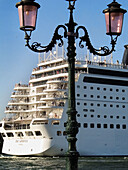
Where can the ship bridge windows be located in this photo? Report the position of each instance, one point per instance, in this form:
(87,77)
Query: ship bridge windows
(40,122)
(29,133)
(38,133)
(19,134)
(10,134)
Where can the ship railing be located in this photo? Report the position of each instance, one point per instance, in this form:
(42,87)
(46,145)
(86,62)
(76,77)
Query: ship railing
(21,85)
(103,64)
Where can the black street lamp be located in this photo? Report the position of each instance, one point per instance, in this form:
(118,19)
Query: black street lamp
(114,21)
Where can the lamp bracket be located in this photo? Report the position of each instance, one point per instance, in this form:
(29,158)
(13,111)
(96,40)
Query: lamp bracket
(103,51)
(37,47)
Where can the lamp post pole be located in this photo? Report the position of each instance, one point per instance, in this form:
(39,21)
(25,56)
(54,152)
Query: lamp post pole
(72,125)
(114,20)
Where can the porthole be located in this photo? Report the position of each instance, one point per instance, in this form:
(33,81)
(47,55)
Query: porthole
(105,105)
(111,117)
(85,95)
(105,126)
(117,98)
(78,95)
(98,116)
(85,125)
(98,96)
(105,116)
(118,126)
(85,87)
(78,86)
(111,97)
(85,104)
(78,115)
(85,110)
(123,126)
(111,89)
(117,117)
(91,104)
(98,105)
(91,88)
(117,106)
(123,117)
(104,89)
(98,125)
(111,126)
(98,88)
(123,106)
(117,90)
(123,90)
(104,97)
(78,103)
(85,115)
(91,125)
(91,96)
(92,115)
(123,98)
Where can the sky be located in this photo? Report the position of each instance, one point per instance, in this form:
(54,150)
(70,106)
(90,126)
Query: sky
(17,61)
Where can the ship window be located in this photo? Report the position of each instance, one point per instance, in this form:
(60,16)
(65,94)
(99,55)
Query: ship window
(104,97)
(85,115)
(85,104)
(111,117)
(92,115)
(117,98)
(78,86)
(19,134)
(111,126)
(98,116)
(123,90)
(65,124)
(78,95)
(85,125)
(105,126)
(111,105)
(85,87)
(105,105)
(92,125)
(117,117)
(98,105)
(85,95)
(29,133)
(118,126)
(117,90)
(92,110)
(110,89)
(85,110)
(3,134)
(104,89)
(105,116)
(91,104)
(123,98)
(59,133)
(91,88)
(91,96)
(111,97)
(98,96)
(0,124)
(98,125)
(79,125)
(98,88)
(123,117)
(78,115)
(123,106)
(117,106)
(38,133)
(10,134)
(124,126)
(78,103)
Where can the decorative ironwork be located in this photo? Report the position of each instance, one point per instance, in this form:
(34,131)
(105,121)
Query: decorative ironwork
(37,47)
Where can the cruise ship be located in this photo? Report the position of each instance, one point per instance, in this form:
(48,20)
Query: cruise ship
(35,119)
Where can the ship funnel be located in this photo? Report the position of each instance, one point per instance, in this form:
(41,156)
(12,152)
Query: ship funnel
(125,56)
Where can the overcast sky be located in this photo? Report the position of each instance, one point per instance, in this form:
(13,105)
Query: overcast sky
(17,61)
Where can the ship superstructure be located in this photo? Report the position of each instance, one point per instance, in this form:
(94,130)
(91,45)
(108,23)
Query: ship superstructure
(38,110)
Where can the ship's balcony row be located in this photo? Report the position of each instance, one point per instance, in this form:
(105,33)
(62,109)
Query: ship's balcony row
(21,87)
(48,77)
(19,94)
(52,72)
(52,104)
(50,66)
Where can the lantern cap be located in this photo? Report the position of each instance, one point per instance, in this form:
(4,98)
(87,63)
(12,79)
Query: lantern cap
(27,2)
(114,7)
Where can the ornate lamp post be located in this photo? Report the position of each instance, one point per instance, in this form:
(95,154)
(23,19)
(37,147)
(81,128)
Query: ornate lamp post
(114,21)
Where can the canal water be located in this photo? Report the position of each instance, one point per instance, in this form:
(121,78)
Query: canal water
(40,163)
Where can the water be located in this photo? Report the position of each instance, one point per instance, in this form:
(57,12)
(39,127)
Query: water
(40,163)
